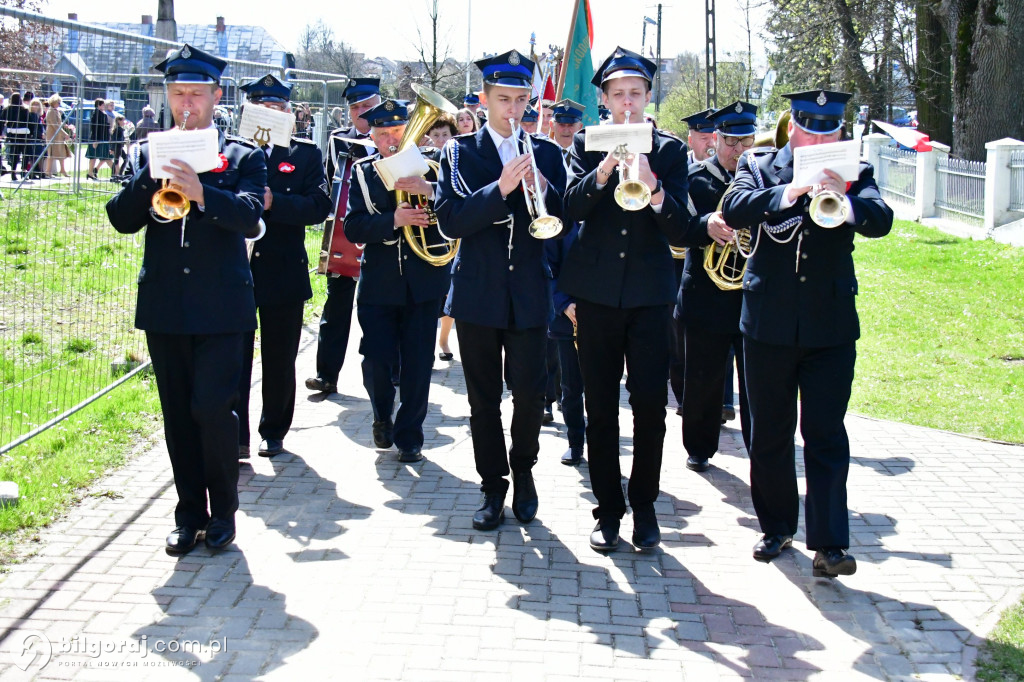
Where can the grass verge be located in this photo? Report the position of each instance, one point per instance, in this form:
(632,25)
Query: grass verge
(1002,657)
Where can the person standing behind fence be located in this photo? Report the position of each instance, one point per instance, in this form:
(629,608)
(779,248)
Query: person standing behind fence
(37,150)
(118,138)
(56,137)
(17,125)
(146,124)
(296,196)
(196,301)
(98,151)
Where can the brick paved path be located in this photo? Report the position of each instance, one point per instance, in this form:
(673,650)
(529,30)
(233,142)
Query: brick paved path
(351,566)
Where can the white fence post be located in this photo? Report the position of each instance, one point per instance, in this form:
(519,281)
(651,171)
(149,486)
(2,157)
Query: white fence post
(871,144)
(926,177)
(997,181)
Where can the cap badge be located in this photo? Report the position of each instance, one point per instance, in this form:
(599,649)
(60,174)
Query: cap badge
(739,108)
(822,100)
(389,106)
(186,53)
(268,81)
(513,58)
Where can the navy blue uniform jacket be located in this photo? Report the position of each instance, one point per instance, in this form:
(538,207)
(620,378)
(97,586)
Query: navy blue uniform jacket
(280,264)
(800,293)
(622,258)
(205,285)
(489,281)
(391,274)
(556,250)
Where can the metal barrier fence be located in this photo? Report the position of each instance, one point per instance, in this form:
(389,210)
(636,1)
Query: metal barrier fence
(1017,181)
(68,278)
(960,190)
(897,175)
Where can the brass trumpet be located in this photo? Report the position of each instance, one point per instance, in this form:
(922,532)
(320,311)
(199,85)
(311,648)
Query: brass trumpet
(169,203)
(542,226)
(631,194)
(828,209)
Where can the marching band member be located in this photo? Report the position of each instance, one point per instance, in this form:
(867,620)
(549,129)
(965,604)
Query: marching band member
(398,291)
(568,120)
(529,121)
(708,318)
(499,294)
(362,95)
(800,327)
(196,300)
(620,273)
(296,196)
(472,102)
(700,135)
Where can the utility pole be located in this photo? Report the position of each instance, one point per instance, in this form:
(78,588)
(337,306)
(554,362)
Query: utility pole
(657,103)
(711,59)
(469,31)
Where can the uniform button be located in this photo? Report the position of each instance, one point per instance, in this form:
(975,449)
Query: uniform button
(186,271)
(287,189)
(624,232)
(257,254)
(185,245)
(511,246)
(804,256)
(807,233)
(853,290)
(511,267)
(803,278)
(622,254)
(405,257)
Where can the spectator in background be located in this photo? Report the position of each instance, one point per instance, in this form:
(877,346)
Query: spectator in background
(15,122)
(221,120)
(467,121)
(98,150)
(36,152)
(337,119)
(443,130)
(117,140)
(57,137)
(146,123)
(303,121)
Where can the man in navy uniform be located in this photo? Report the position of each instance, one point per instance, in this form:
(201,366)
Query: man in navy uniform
(398,291)
(568,118)
(529,120)
(700,135)
(708,318)
(362,95)
(800,327)
(621,274)
(296,196)
(196,300)
(499,293)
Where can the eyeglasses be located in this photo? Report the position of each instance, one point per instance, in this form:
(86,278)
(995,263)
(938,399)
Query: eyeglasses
(733,141)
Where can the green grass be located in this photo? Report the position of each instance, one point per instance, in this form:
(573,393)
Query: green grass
(1002,657)
(942,323)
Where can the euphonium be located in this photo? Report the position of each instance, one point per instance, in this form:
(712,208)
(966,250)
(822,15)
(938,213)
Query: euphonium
(727,264)
(542,225)
(168,203)
(631,194)
(429,107)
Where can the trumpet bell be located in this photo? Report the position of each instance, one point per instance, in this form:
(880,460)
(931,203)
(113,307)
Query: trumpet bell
(170,204)
(828,209)
(632,195)
(545,227)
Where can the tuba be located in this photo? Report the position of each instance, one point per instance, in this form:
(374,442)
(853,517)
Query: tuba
(429,107)
(168,203)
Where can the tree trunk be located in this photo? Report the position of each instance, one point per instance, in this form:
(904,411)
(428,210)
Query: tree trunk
(934,93)
(854,64)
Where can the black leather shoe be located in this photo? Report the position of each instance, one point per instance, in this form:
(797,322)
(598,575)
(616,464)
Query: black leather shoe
(220,533)
(646,534)
(383,434)
(491,512)
(548,417)
(771,546)
(679,410)
(182,540)
(409,455)
(572,457)
(270,447)
(243,452)
(828,563)
(728,413)
(524,496)
(697,464)
(447,357)
(321,386)
(605,537)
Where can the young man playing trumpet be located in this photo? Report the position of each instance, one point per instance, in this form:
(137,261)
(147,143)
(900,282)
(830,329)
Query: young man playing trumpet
(499,294)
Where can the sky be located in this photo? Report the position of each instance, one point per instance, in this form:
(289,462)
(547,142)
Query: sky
(388,28)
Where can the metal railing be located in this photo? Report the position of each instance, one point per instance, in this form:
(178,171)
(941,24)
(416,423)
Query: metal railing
(897,175)
(960,190)
(1017,181)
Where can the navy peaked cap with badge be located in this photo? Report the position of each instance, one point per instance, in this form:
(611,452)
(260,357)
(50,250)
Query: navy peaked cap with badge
(267,89)
(699,122)
(189,64)
(622,63)
(530,115)
(511,69)
(818,111)
(359,89)
(471,98)
(390,112)
(738,119)
(568,111)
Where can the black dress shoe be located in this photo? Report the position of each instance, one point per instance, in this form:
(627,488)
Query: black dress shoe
(524,496)
(832,561)
(646,534)
(697,464)
(321,386)
(383,434)
(220,533)
(270,447)
(491,512)
(182,540)
(572,457)
(409,455)
(548,415)
(728,413)
(679,410)
(243,452)
(605,537)
(771,546)
(445,356)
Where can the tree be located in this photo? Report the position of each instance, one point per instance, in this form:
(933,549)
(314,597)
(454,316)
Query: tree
(26,45)
(688,96)
(440,73)
(320,51)
(934,91)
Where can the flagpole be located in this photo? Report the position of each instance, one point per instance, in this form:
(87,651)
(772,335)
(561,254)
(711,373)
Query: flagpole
(566,55)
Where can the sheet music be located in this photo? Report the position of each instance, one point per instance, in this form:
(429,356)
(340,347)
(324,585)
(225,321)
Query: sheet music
(605,138)
(405,164)
(841,157)
(198,148)
(260,123)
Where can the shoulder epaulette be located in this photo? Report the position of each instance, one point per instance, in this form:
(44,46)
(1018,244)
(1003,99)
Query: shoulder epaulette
(304,140)
(371,157)
(242,140)
(669,133)
(428,149)
(761,150)
(548,140)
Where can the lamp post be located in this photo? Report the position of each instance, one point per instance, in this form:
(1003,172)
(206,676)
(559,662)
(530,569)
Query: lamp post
(643,40)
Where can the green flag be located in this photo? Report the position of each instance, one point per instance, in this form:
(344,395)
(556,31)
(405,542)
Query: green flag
(577,66)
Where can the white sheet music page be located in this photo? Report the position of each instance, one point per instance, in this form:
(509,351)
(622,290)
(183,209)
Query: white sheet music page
(405,164)
(606,138)
(841,157)
(198,148)
(260,123)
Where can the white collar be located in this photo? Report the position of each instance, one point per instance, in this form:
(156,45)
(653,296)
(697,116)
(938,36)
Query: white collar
(497,138)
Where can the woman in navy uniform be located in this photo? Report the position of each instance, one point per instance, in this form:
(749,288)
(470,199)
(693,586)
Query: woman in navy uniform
(362,95)
(398,291)
(196,301)
(800,327)
(296,196)
(708,318)
(621,274)
(499,295)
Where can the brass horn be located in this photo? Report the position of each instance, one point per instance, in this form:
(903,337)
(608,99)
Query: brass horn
(631,194)
(168,203)
(780,137)
(429,107)
(727,264)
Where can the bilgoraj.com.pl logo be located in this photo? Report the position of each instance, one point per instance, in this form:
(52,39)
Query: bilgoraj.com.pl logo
(32,650)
